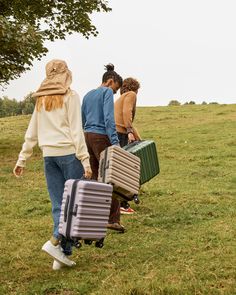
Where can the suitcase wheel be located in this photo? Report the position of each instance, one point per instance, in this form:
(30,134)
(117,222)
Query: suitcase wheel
(78,244)
(99,244)
(88,242)
(136,199)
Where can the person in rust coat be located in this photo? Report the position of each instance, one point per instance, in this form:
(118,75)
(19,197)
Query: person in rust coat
(125,108)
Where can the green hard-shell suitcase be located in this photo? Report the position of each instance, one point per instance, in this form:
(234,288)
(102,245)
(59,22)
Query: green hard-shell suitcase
(147,152)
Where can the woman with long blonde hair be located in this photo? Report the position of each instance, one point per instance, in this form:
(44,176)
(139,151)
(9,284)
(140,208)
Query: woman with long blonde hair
(56,127)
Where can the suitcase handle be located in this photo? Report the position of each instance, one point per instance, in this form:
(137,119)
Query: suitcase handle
(130,145)
(76,209)
(102,167)
(66,208)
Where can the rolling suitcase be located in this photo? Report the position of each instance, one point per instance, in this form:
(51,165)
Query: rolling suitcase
(147,152)
(85,211)
(121,169)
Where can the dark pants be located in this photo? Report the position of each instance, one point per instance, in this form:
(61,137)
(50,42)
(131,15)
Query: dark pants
(96,143)
(123,138)
(57,171)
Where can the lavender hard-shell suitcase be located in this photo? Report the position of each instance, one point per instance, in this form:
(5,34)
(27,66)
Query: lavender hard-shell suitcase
(85,211)
(121,169)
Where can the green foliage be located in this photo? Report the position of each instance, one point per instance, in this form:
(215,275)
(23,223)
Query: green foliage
(180,241)
(11,107)
(174,103)
(191,102)
(25,25)
(20,43)
(28,104)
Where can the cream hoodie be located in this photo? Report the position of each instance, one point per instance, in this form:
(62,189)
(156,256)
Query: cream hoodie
(58,132)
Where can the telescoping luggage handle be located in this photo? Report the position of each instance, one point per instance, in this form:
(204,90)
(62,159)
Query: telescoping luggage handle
(68,211)
(66,208)
(104,165)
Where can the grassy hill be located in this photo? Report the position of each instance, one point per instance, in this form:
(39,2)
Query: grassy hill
(182,239)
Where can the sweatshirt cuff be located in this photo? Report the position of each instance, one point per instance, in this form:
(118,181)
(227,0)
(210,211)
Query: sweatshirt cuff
(21,163)
(129,130)
(86,163)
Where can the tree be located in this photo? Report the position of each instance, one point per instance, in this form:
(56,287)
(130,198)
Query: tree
(2,111)
(174,103)
(27,105)
(25,25)
(9,107)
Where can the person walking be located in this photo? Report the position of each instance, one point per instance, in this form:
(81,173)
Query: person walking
(56,126)
(100,129)
(125,108)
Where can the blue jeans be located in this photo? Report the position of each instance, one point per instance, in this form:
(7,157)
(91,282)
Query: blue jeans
(57,171)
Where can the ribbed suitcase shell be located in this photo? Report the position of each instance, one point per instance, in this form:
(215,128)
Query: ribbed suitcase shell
(147,152)
(90,211)
(121,169)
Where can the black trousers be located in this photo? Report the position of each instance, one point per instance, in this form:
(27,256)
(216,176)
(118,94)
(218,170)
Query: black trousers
(96,143)
(123,138)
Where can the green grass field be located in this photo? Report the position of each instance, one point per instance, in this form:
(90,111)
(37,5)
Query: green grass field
(182,239)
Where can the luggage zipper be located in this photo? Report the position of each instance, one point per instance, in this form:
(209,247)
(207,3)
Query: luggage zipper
(70,212)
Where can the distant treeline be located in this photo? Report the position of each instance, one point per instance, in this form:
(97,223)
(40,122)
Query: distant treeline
(12,107)
(191,102)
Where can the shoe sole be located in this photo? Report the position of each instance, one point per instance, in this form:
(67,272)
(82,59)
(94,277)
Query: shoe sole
(57,265)
(57,268)
(117,229)
(126,213)
(62,266)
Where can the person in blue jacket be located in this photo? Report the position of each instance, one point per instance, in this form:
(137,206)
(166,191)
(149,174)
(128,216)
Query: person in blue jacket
(100,129)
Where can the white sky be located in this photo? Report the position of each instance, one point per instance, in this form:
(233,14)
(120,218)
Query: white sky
(177,49)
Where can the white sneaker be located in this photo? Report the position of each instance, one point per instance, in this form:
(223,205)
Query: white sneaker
(57,254)
(57,265)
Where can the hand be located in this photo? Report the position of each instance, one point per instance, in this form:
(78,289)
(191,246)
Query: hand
(18,171)
(131,137)
(88,172)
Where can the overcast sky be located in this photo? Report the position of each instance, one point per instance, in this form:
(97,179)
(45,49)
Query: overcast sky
(177,49)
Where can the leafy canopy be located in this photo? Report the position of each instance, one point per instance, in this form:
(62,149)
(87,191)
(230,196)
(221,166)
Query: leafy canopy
(26,24)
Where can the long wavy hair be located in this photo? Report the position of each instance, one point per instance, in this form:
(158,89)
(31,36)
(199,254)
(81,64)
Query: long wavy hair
(50,102)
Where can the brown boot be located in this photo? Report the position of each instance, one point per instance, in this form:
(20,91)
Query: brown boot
(116,226)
